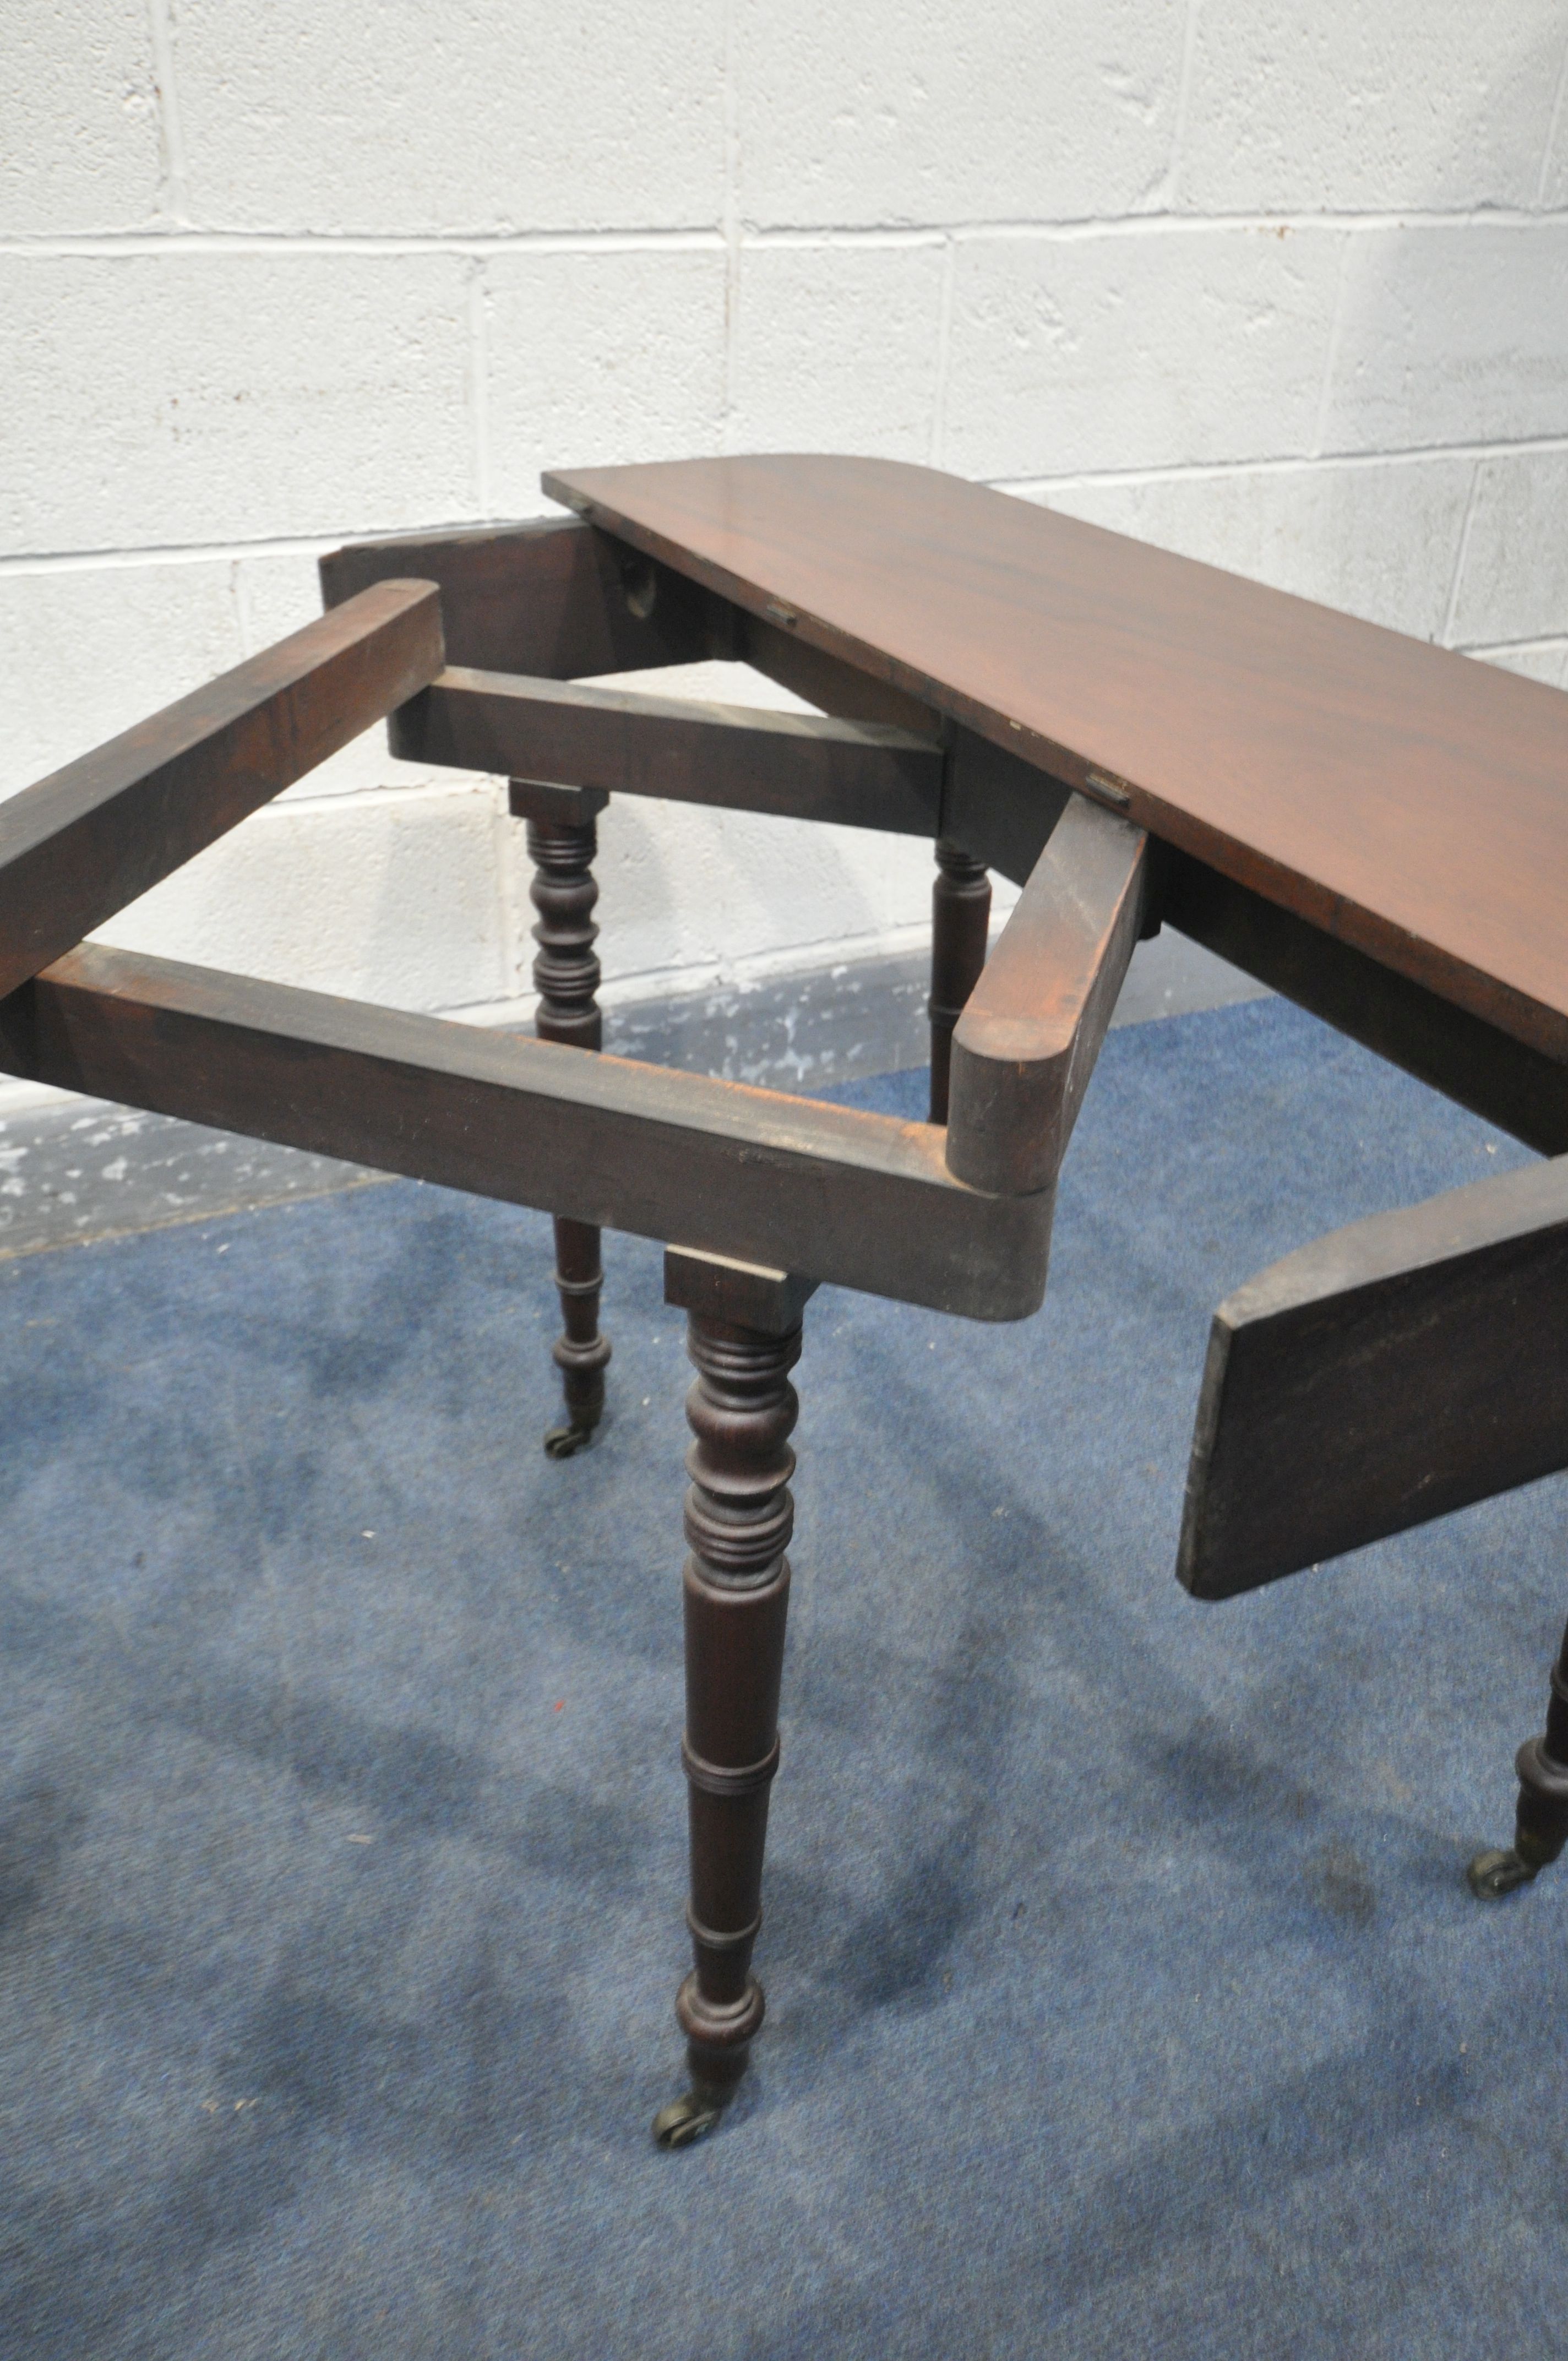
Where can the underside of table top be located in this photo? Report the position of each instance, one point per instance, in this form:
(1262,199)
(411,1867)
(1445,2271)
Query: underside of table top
(1409,801)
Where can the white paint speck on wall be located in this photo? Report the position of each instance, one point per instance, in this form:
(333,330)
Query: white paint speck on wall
(1282,289)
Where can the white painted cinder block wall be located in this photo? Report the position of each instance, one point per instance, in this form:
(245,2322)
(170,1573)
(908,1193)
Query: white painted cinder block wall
(1285,287)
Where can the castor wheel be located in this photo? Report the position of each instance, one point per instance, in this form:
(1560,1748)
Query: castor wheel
(690,2117)
(1498,1872)
(562,1441)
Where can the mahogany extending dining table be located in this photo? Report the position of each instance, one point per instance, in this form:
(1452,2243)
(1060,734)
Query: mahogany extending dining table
(1374,826)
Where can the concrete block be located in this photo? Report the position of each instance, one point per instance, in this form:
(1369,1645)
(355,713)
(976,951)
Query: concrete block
(1451,334)
(853,116)
(1514,583)
(394,899)
(1132,349)
(1337,107)
(197,397)
(78,146)
(601,356)
(1375,541)
(1544,659)
(838,348)
(1555,168)
(477,117)
(88,653)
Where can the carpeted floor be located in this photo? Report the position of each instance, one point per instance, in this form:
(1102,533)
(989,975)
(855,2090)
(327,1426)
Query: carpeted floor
(1125,1995)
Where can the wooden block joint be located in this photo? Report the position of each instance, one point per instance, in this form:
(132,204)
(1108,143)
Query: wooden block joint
(718,1287)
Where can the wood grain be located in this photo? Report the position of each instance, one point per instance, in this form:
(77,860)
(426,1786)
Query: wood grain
(1393,1371)
(551,597)
(1509,1083)
(1409,801)
(85,841)
(863,1200)
(857,774)
(999,807)
(1027,1043)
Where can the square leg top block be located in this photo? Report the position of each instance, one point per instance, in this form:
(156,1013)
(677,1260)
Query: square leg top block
(741,1293)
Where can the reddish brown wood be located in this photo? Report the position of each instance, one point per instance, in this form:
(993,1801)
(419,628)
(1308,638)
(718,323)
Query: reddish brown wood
(856,774)
(824,680)
(866,1199)
(1405,800)
(961,915)
(551,597)
(581,1352)
(1541,1816)
(564,893)
(1396,1370)
(1001,808)
(566,978)
(83,843)
(1027,1043)
(739,1518)
(1511,1083)
(556,598)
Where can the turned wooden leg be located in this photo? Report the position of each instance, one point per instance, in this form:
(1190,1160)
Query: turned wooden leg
(1541,1822)
(562,841)
(961,915)
(743,1334)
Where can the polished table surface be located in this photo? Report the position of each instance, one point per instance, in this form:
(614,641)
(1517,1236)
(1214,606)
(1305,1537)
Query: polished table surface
(1412,802)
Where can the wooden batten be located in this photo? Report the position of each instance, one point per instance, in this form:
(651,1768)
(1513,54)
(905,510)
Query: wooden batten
(1397,1369)
(1521,1088)
(82,843)
(553,597)
(859,774)
(1027,1043)
(828,1191)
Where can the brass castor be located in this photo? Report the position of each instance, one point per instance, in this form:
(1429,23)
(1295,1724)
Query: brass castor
(580,1359)
(1498,1872)
(1541,1822)
(562,1441)
(687,2119)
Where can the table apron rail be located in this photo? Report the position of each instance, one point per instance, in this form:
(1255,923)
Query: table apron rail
(840,1195)
(857,774)
(82,843)
(1480,1066)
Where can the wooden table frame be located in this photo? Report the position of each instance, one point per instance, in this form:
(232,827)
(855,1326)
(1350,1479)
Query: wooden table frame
(1340,1402)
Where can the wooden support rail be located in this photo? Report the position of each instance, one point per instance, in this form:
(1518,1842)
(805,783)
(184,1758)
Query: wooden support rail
(559,600)
(1510,1082)
(863,1200)
(1390,1372)
(551,598)
(83,843)
(859,773)
(1025,1045)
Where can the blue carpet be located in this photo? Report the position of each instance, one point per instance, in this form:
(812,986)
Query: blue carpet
(1125,1994)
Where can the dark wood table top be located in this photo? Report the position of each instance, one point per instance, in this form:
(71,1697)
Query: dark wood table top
(1412,802)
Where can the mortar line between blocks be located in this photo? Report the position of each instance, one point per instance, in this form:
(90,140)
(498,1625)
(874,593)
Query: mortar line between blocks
(479,364)
(117,245)
(1287,463)
(1459,556)
(730,228)
(1552,130)
(944,353)
(1183,92)
(1331,354)
(90,561)
(173,194)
